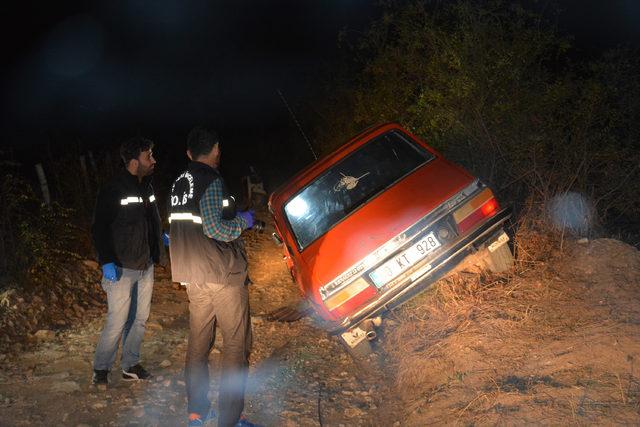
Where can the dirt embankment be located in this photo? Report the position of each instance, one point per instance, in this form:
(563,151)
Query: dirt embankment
(555,344)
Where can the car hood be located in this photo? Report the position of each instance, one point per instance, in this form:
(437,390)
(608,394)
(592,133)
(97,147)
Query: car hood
(382,218)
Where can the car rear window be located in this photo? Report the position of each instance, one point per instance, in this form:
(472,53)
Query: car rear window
(351,183)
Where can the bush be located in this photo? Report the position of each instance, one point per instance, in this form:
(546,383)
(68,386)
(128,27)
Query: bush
(37,241)
(492,86)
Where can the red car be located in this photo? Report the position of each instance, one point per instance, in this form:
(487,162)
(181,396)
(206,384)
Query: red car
(378,220)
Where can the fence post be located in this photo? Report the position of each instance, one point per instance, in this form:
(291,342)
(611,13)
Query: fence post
(43,184)
(108,163)
(94,168)
(3,252)
(85,173)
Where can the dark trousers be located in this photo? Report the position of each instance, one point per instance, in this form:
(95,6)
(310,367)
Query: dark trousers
(228,307)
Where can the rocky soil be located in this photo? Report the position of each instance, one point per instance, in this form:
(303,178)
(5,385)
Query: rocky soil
(299,374)
(556,342)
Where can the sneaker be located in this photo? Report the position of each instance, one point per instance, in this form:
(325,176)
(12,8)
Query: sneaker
(197,420)
(100,378)
(136,372)
(243,422)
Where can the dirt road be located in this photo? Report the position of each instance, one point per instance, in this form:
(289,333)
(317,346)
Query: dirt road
(299,374)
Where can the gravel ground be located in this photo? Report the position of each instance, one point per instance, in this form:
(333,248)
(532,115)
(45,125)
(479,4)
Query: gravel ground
(299,374)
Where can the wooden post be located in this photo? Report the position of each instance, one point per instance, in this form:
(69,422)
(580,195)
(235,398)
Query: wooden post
(108,163)
(3,232)
(43,184)
(53,168)
(94,168)
(249,195)
(85,174)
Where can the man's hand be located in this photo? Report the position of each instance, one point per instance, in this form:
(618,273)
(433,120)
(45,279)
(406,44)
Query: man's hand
(248,216)
(109,272)
(165,239)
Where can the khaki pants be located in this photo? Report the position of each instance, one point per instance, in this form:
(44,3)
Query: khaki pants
(228,307)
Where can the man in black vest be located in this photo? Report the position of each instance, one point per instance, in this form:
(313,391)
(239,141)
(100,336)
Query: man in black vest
(208,256)
(126,233)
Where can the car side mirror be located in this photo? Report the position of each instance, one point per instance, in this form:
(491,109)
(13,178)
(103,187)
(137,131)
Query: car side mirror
(276,238)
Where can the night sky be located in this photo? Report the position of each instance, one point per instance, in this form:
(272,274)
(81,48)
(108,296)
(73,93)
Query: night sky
(118,65)
(103,70)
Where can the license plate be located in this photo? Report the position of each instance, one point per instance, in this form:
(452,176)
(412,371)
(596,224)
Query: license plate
(405,260)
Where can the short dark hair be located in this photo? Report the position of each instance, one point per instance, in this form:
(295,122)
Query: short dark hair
(132,147)
(201,141)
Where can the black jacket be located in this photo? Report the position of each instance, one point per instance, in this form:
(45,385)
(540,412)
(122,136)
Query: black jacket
(126,227)
(196,258)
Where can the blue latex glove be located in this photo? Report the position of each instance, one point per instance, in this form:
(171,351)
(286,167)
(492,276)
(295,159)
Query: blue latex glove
(109,272)
(248,217)
(165,239)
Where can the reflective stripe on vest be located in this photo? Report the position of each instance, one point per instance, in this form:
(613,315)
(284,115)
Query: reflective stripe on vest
(185,216)
(152,198)
(131,199)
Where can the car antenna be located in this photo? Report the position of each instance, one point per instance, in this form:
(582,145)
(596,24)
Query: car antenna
(286,104)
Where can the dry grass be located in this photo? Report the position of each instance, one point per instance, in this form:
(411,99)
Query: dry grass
(536,240)
(552,342)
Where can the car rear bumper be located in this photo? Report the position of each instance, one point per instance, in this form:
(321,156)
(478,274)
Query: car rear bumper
(414,284)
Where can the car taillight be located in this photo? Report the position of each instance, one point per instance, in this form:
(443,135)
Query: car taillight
(348,298)
(482,206)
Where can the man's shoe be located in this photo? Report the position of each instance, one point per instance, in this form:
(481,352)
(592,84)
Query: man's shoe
(100,378)
(243,422)
(197,420)
(136,372)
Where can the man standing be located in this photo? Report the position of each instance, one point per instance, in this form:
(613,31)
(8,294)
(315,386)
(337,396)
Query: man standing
(126,233)
(208,256)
